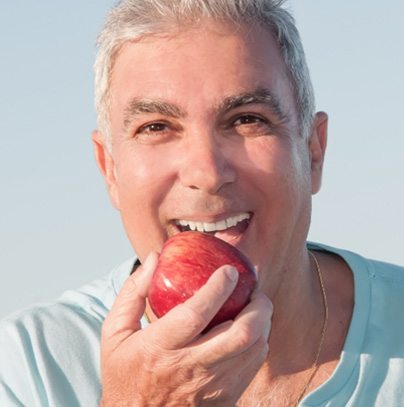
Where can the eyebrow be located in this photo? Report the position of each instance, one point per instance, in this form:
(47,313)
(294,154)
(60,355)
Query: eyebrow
(257,96)
(138,106)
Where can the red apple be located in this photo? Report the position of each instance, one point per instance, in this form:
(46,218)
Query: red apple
(186,262)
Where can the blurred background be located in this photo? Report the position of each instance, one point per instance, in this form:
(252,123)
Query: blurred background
(57,227)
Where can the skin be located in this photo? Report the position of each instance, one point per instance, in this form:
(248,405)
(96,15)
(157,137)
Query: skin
(195,156)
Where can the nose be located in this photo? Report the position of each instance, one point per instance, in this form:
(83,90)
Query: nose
(206,165)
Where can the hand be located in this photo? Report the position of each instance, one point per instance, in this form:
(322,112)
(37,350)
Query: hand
(170,363)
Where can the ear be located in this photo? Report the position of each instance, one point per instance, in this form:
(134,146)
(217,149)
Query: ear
(317,147)
(106,165)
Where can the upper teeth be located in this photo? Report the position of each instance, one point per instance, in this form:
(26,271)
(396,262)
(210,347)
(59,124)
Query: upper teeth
(214,226)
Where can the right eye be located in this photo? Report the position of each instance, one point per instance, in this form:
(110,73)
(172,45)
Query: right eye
(152,128)
(154,132)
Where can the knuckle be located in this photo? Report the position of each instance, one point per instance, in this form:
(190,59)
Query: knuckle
(195,318)
(245,337)
(263,347)
(268,304)
(264,301)
(155,359)
(130,286)
(261,342)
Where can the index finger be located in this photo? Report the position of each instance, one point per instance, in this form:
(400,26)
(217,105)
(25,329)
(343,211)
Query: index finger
(231,339)
(187,320)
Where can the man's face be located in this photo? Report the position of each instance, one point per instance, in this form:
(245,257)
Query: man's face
(205,135)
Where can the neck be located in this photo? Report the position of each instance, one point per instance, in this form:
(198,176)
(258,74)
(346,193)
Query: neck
(298,320)
(296,331)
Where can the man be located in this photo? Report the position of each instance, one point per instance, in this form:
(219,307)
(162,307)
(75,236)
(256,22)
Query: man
(206,115)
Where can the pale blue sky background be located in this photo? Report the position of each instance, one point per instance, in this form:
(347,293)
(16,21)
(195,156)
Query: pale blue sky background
(57,228)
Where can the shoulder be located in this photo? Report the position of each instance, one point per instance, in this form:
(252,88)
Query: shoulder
(374,269)
(389,273)
(51,350)
(90,302)
(371,367)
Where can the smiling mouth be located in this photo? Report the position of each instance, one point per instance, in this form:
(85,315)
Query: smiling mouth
(225,229)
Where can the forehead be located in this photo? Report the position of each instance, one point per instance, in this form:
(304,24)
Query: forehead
(209,61)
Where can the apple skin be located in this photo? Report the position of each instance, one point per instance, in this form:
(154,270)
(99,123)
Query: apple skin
(186,262)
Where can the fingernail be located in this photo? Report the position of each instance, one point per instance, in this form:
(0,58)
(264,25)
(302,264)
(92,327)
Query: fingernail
(231,273)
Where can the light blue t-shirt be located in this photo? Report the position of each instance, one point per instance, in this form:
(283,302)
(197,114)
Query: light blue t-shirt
(49,353)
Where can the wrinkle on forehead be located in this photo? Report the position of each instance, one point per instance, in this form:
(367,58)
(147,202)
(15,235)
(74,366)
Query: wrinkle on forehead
(160,96)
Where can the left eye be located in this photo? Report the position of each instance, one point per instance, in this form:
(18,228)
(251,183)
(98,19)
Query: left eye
(249,125)
(247,119)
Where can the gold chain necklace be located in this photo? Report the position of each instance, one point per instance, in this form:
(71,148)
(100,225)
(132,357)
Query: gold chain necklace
(315,366)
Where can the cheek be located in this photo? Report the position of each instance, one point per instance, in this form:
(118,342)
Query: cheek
(279,178)
(141,180)
(142,184)
(276,162)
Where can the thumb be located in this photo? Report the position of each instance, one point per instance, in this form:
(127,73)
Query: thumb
(125,315)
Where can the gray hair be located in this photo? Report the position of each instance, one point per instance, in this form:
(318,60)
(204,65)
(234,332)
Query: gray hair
(131,20)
